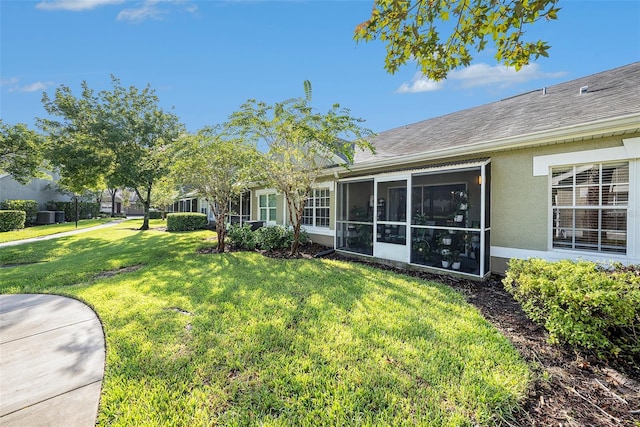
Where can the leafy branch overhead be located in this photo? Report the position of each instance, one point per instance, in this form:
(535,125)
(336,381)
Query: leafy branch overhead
(441,35)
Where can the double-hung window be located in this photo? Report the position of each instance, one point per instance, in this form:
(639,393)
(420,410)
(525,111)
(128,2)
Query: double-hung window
(316,209)
(267,207)
(590,204)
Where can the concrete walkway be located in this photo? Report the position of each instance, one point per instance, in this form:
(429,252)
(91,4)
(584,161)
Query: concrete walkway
(66,233)
(52,357)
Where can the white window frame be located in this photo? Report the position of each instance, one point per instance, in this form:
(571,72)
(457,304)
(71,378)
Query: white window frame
(314,209)
(629,151)
(267,193)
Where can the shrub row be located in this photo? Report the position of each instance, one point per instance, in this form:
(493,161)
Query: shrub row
(155,215)
(266,238)
(11,220)
(580,303)
(30,208)
(186,221)
(86,209)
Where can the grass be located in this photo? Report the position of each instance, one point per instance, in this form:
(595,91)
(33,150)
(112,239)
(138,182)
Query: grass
(240,339)
(46,230)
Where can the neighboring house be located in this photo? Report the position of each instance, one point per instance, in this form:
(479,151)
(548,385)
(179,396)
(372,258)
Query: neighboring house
(239,211)
(552,173)
(40,190)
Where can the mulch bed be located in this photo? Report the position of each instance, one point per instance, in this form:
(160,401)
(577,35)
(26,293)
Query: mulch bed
(571,388)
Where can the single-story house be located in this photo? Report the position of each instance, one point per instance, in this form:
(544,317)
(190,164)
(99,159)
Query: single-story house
(40,190)
(552,173)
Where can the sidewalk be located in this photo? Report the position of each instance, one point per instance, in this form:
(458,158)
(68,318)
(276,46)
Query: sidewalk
(66,233)
(52,357)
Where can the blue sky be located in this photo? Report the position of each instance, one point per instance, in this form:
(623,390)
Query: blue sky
(205,58)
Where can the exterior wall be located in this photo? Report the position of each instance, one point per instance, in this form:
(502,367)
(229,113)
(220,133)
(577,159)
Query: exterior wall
(520,204)
(40,190)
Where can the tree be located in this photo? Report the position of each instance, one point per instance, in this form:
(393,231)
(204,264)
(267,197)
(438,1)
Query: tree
(164,194)
(441,34)
(77,150)
(216,167)
(301,143)
(121,137)
(21,152)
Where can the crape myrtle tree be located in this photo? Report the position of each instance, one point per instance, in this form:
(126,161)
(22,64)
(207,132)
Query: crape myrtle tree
(441,35)
(217,167)
(22,152)
(300,144)
(165,193)
(121,136)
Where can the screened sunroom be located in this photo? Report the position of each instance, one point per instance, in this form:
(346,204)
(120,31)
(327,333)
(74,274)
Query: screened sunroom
(436,217)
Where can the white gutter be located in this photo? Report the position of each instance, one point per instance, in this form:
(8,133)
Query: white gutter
(617,124)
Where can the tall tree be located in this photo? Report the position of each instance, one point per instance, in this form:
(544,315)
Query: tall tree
(301,144)
(217,168)
(117,138)
(21,152)
(440,35)
(164,194)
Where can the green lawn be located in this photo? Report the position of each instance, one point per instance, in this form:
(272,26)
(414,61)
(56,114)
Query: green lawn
(45,230)
(240,339)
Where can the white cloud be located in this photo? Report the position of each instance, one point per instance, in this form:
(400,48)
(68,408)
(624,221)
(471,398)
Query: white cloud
(485,75)
(419,83)
(74,5)
(13,85)
(479,75)
(141,10)
(152,9)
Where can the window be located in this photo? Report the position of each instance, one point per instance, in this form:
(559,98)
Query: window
(590,204)
(316,209)
(267,207)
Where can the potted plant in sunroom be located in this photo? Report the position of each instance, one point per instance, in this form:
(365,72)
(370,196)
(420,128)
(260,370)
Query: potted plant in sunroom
(446,253)
(455,260)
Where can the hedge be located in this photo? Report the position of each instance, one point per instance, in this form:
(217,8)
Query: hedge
(155,214)
(580,302)
(87,209)
(11,220)
(30,207)
(186,221)
(266,238)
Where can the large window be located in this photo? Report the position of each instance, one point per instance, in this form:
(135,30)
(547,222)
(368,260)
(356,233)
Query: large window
(316,209)
(267,207)
(590,204)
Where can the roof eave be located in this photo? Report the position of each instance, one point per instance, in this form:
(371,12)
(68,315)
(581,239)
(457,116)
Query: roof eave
(595,128)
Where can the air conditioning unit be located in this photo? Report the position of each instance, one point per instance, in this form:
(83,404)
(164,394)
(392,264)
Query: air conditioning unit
(46,217)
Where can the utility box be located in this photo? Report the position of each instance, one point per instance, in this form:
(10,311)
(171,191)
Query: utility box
(59,217)
(46,217)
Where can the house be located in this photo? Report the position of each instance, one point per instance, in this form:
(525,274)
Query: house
(552,173)
(40,190)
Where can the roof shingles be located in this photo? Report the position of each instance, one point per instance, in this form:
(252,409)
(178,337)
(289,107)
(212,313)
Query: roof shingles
(612,93)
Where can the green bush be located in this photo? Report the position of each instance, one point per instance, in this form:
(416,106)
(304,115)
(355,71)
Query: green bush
(242,237)
(11,220)
(30,208)
(86,209)
(580,303)
(155,215)
(186,221)
(277,237)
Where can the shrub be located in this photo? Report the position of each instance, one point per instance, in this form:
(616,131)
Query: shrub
(155,215)
(86,209)
(580,303)
(11,220)
(30,208)
(186,221)
(242,237)
(277,237)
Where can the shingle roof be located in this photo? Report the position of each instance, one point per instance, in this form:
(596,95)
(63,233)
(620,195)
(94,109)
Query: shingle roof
(610,94)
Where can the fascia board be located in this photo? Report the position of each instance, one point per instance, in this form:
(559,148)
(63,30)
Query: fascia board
(629,122)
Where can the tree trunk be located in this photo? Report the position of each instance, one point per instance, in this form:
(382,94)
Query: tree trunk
(221,229)
(113,203)
(147,206)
